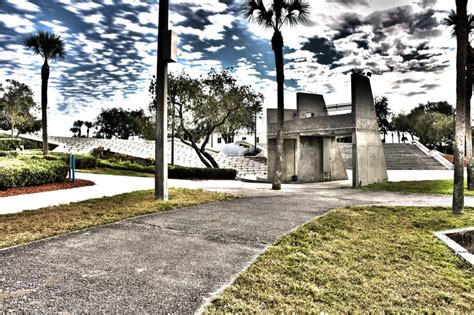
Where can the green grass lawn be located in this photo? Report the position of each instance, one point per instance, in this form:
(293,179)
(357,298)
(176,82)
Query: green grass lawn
(28,226)
(444,187)
(377,259)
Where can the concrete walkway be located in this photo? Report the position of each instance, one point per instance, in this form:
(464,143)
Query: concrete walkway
(170,262)
(109,185)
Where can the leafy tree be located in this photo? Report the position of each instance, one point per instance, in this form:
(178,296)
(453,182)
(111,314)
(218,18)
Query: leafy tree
(278,14)
(78,125)
(383,113)
(50,47)
(16,105)
(435,130)
(119,123)
(442,107)
(88,125)
(203,105)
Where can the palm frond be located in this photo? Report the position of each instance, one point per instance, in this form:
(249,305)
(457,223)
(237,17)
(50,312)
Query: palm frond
(46,44)
(298,12)
(255,10)
(452,21)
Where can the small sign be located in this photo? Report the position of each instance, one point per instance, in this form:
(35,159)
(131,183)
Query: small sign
(171,47)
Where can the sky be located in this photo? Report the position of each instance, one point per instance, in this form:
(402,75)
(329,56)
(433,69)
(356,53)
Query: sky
(111,51)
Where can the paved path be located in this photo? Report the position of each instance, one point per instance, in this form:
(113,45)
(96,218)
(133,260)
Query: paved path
(170,262)
(108,185)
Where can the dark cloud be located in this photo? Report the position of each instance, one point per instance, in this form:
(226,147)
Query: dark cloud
(351,3)
(348,24)
(430,86)
(325,51)
(415,93)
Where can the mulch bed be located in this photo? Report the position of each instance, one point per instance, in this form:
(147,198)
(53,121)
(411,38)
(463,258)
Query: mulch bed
(68,184)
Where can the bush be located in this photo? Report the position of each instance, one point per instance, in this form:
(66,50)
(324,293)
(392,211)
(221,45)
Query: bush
(9,144)
(8,153)
(33,170)
(178,172)
(83,161)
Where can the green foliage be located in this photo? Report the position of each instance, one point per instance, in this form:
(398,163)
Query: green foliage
(9,144)
(84,161)
(30,171)
(178,172)
(211,103)
(435,130)
(16,106)
(119,123)
(46,44)
(383,113)
(8,154)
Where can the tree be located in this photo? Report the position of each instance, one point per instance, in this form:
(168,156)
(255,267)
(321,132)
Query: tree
(88,125)
(460,133)
(78,125)
(50,47)
(442,107)
(383,114)
(435,130)
(278,14)
(74,131)
(121,124)
(16,105)
(203,105)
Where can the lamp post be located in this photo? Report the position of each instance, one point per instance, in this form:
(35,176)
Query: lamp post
(167,43)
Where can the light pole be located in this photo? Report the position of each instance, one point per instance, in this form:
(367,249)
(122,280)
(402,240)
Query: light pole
(167,43)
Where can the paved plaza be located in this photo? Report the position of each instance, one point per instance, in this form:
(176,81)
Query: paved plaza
(170,262)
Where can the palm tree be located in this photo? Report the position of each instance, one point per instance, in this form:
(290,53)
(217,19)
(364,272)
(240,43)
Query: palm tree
(78,124)
(88,125)
(278,14)
(74,130)
(460,135)
(50,47)
(452,21)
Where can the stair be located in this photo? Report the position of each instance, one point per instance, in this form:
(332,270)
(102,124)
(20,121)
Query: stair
(398,156)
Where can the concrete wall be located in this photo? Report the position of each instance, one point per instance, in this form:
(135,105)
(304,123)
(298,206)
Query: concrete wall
(368,160)
(312,104)
(290,114)
(338,170)
(289,159)
(310,162)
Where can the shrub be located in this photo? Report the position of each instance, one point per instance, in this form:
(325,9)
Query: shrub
(178,172)
(8,153)
(83,161)
(30,171)
(9,144)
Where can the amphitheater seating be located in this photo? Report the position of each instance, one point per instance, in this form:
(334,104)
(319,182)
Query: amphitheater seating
(398,156)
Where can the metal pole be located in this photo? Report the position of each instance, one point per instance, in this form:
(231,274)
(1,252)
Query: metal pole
(255,150)
(161,142)
(172,137)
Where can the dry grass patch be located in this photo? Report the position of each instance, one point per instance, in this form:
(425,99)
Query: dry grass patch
(51,221)
(371,259)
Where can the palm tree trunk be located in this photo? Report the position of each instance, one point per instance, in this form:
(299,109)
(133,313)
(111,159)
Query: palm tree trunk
(277,46)
(44,105)
(470,184)
(460,134)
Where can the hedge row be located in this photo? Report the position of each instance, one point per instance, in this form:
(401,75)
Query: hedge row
(9,144)
(178,172)
(30,171)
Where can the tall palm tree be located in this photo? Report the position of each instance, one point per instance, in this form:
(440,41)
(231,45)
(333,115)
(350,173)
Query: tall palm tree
(279,13)
(452,20)
(460,135)
(78,124)
(50,47)
(88,125)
